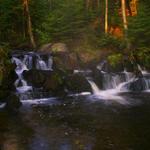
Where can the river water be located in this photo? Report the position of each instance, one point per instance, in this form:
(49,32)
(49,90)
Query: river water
(78,124)
(112,118)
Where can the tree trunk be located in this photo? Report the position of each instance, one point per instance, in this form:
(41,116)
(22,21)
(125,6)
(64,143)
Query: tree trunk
(124,17)
(29,23)
(106,16)
(125,24)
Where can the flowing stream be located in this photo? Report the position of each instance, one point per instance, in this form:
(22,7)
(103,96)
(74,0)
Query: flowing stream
(115,116)
(27,62)
(112,83)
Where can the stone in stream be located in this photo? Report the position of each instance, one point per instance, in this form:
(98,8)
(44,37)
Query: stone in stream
(7,90)
(62,57)
(139,85)
(77,83)
(13,103)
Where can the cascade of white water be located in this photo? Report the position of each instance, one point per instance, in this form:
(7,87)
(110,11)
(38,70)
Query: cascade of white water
(50,63)
(43,65)
(113,84)
(20,83)
(143,71)
(94,87)
(109,94)
(112,81)
(26,63)
(101,65)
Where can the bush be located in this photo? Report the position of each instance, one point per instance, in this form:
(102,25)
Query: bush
(114,59)
(112,42)
(143,56)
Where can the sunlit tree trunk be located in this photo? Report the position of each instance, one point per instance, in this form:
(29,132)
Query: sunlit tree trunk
(29,23)
(106,16)
(133,6)
(124,17)
(125,24)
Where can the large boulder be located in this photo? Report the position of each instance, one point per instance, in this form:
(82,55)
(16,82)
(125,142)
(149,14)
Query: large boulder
(66,61)
(63,58)
(46,48)
(77,83)
(59,47)
(98,78)
(49,81)
(36,77)
(138,85)
(54,48)
(55,84)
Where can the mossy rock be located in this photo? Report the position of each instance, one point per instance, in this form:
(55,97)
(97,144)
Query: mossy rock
(78,83)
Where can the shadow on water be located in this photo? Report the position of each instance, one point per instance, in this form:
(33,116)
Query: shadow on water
(79,124)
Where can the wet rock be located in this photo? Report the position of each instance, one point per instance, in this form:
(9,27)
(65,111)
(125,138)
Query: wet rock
(47,80)
(98,78)
(46,48)
(59,47)
(66,61)
(77,83)
(8,81)
(54,82)
(88,57)
(13,103)
(53,48)
(138,85)
(36,77)
(62,57)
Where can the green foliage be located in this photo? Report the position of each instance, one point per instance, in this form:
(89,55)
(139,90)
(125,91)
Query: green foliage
(65,21)
(114,59)
(13,20)
(139,26)
(113,13)
(111,42)
(10,21)
(143,56)
(69,20)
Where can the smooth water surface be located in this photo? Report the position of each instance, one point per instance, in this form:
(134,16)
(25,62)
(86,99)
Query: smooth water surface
(78,123)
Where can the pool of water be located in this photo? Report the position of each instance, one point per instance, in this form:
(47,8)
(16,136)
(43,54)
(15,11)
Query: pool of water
(78,123)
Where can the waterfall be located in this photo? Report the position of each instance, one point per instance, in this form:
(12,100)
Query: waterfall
(143,71)
(101,65)
(43,65)
(113,84)
(20,84)
(25,63)
(95,88)
(105,94)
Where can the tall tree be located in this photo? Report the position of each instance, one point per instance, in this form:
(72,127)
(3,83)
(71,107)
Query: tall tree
(124,16)
(29,23)
(106,16)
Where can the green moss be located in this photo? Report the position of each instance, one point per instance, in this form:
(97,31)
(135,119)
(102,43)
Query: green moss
(143,56)
(115,59)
